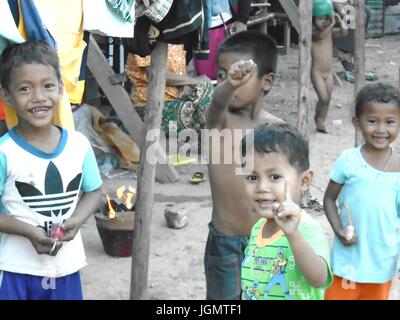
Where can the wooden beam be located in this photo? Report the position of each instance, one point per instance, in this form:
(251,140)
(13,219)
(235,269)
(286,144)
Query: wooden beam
(146,175)
(293,12)
(359,56)
(336,79)
(122,105)
(305,43)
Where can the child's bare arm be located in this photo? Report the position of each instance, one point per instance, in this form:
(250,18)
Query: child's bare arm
(312,266)
(332,214)
(40,241)
(86,206)
(238,74)
(343,28)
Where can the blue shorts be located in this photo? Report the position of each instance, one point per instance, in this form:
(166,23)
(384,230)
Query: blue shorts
(222,264)
(17,286)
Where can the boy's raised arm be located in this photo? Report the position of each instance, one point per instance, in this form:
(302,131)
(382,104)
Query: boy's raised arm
(343,28)
(239,73)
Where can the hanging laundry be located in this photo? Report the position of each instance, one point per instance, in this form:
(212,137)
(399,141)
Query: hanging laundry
(141,44)
(9,33)
(158,9)
(63,18)
(124,9)
(34,27)
(99,18)
(184,17)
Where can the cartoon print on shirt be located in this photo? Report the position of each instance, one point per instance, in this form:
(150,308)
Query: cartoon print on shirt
(278,269)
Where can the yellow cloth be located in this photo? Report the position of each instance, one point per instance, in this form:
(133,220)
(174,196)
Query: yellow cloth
(63,18)
(63,116)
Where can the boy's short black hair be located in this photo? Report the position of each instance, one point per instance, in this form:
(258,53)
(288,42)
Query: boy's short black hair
(279,138)
(378,92)
(35,51)
(261,47)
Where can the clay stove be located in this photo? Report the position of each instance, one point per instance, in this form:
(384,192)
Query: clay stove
(115,224)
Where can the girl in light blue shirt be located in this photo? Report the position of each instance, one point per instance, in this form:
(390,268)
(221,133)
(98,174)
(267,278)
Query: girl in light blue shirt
(366,181)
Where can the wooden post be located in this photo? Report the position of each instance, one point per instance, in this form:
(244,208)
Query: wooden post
(293,13)
(359,55)
(305,8)
(146,174)
(286,35)
(121,103)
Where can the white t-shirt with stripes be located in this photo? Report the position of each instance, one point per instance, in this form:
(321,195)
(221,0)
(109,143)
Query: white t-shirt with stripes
(42,188)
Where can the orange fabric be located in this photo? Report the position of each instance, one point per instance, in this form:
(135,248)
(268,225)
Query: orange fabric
(2,113)
(135,69)
(357,291)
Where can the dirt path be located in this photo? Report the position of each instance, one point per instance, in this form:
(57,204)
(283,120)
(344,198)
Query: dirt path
(176,258)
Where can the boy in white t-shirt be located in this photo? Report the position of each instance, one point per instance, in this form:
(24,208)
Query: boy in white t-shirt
(43,170)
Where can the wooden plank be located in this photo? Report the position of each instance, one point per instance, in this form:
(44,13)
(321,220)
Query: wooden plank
(336,79)
(305,8)
(146,175)
(359,56)
(118,78)
(122,105)
(293,12)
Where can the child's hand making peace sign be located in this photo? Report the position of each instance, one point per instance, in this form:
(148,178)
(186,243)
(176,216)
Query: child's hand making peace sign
(287,214)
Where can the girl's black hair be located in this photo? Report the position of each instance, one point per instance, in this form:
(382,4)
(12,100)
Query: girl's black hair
(379,92)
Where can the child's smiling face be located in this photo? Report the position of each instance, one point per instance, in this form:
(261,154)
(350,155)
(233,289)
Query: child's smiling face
(34,92)
(265,185)
(379,123)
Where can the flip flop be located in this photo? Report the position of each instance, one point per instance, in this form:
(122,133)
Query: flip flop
(197,178)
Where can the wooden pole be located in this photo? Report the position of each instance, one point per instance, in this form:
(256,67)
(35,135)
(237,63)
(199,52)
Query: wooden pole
(146,174)
(359,55)
(122,105)
(305,8)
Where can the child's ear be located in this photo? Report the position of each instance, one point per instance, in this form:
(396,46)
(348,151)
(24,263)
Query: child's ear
(356,122)
(61,84)
(5,96)
(267,80)
(306,179)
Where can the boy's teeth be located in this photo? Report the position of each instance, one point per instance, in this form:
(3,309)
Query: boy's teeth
(39,109)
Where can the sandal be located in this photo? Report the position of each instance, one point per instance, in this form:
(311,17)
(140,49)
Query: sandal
(197,178)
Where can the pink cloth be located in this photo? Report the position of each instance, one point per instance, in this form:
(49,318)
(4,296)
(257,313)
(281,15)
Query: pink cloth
(209,67)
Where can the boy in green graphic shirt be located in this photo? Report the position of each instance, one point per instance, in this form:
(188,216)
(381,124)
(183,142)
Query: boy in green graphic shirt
(288,254)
